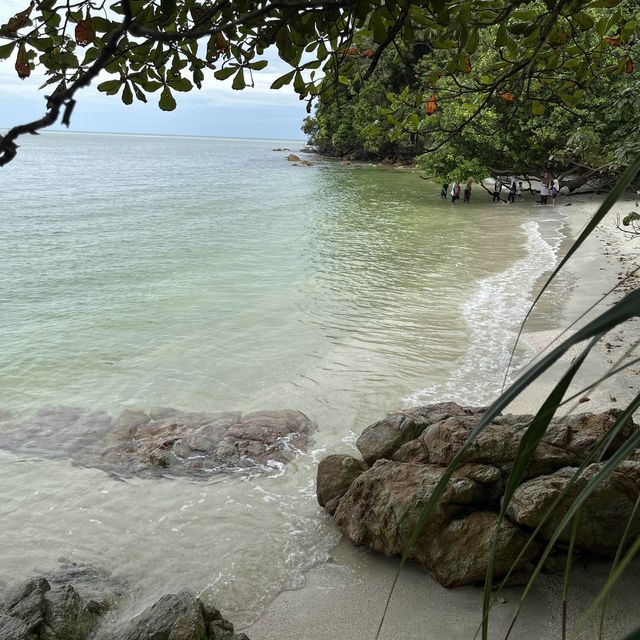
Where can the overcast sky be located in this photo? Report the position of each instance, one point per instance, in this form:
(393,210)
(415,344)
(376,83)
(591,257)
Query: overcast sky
(216,110)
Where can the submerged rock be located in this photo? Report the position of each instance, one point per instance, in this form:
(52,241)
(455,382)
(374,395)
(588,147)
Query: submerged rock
(165,441)
(406,454)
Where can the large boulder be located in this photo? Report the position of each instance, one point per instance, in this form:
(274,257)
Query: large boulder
(35,611)
(162,441)
(405,457)
(566,442)
(383,438)
(180,616)
(603,517)
(383,506)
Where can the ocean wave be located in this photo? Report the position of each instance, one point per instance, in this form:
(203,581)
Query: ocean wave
(493,315)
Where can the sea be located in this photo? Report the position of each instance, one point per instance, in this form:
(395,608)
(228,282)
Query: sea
(210,274)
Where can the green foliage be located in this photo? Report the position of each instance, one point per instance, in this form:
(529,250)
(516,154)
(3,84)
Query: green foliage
(495,114)
(541,52)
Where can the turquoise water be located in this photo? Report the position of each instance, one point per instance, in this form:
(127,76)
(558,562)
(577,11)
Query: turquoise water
(211,274)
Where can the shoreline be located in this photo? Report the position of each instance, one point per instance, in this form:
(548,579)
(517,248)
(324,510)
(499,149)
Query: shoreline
(350,591)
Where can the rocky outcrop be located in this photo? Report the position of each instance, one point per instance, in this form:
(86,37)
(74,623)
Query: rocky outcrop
(603,515)
(35,611)
(292,157)
(42,610)
(383,438)
(377,502)
(180,616)
(162,441)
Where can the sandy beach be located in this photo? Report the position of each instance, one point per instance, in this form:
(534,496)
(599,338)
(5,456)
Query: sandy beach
(346,596)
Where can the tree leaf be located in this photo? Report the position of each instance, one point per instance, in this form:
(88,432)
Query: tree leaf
(238,81)
(283,80)
(127,94)
(110,87)
(225,72)
(167,101)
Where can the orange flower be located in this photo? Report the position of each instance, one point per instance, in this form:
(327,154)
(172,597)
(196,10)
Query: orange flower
(629,66)
(507,97)
(612,41)
(431,106)
(353,51)
(369,53)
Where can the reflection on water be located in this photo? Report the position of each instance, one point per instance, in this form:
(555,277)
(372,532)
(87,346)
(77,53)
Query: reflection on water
(212,275)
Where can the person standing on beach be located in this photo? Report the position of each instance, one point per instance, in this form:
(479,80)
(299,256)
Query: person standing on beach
(519,191)
(544,192)
(455,191)
(497,188)
(445,190)
(467,190)
(555,190)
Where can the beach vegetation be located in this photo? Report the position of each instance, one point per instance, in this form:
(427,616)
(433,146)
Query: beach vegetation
(432,70)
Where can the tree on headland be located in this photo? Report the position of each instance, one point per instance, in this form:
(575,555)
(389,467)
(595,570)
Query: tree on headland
(545,53)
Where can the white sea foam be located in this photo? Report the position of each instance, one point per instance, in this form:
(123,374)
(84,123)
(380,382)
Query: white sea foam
(494,314)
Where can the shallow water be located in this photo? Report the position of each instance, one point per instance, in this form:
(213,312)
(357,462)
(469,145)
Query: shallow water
(206,274)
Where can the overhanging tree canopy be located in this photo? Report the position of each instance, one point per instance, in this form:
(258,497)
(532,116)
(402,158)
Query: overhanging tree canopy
(549,51)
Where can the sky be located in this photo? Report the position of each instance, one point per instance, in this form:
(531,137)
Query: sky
(216,110)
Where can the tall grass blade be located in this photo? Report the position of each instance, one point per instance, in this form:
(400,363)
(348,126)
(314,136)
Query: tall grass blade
(616,560)
(607,468)
(633,550)
(567,572)
(526,449)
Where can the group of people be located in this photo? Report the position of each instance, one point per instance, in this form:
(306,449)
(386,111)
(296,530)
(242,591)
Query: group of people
(455,191)
(548,187)
(515,189)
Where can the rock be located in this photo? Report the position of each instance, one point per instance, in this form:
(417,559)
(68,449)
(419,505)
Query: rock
(180,616)
(40,610)
(292,157)
(27,603)
(604,514)
(163,441)
(566,442)
(334,477)
(174,616)
(383,438)
(382,507)
(307,150)
(459,554)
(35,611)
(409,452)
